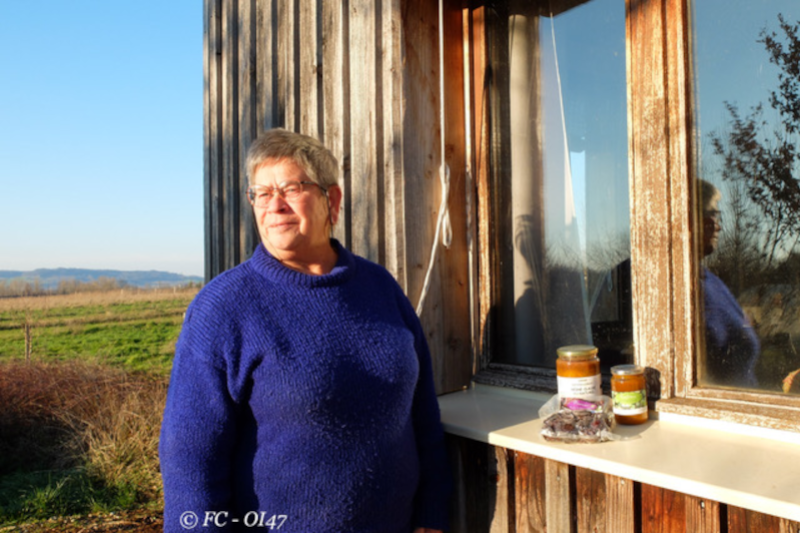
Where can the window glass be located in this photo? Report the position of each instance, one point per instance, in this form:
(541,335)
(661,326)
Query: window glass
(747,83)
(559,162)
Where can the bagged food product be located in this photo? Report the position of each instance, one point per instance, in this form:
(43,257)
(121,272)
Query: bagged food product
(586,419)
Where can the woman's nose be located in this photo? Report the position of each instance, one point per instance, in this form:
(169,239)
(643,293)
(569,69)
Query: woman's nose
(277,203)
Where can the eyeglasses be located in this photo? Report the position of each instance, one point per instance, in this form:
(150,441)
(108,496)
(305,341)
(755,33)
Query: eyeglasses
(713,214)
(260,195)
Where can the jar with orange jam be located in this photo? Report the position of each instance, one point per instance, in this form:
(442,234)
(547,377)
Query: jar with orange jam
(629,394)
(578,371)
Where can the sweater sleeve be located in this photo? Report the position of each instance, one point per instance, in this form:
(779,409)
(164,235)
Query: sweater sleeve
(198,430)
(432,503)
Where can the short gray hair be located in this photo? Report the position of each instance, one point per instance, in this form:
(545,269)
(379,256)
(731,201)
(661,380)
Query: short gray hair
(708,194)
(308,153)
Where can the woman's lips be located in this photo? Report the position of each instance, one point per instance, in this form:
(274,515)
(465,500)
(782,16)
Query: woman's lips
(282,224)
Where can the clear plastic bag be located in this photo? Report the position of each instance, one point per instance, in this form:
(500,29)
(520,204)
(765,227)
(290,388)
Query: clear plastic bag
(589,419)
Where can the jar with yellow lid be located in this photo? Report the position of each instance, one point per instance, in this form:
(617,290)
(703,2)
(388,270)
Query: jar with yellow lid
(578,371)
(629,394)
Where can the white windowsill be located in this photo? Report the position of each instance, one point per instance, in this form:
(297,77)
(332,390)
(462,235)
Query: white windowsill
(704,460)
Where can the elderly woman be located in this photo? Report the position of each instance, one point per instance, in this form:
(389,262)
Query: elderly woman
(301,395)
(732,346)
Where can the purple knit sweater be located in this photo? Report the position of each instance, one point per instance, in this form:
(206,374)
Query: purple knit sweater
(305,402)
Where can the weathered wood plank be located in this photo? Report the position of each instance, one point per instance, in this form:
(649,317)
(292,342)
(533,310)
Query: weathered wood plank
(745,521)
(663,511)
(366,186)
(215,185)
(208,105)
(685,272)
(754,414)
(702,516)
(247,114)
(287,63)
(456,357)
(478,479)
(392,98)
(421,145)
(649,171)
(446,309)
(461,489)
(530,493)
(481,164)
(269,108)
(470,196)
(335,88)
(621,513)
(309,68)
(560,499)
(501,473)
(590,501)
(422,158)
(230,128)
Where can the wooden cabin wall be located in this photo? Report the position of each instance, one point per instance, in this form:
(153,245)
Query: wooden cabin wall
(503,491)
(362,76)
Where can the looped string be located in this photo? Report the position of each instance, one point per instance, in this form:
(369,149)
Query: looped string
(443,229)
(443,225)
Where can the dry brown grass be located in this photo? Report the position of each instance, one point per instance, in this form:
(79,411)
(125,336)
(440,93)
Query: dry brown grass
(66,415)
(27,303)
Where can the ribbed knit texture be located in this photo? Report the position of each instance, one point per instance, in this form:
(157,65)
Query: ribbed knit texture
(306,396)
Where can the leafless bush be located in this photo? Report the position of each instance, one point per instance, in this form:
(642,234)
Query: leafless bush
(63,415)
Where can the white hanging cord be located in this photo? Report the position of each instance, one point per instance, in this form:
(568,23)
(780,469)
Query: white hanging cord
(443,226)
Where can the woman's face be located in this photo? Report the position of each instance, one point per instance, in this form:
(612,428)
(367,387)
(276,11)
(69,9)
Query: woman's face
(711,226)
(296,229)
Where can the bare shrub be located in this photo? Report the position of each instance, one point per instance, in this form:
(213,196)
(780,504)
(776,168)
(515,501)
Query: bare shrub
(66,415)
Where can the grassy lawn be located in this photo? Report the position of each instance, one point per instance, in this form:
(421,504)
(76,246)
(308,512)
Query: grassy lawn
(81,413)
(125,329)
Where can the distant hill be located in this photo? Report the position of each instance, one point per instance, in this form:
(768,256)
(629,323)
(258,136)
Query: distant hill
(50,277)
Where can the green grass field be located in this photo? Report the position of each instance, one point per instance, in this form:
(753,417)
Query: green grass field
(82,412)
(126,330)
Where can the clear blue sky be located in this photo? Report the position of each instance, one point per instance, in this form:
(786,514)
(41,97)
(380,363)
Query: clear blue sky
(101,138)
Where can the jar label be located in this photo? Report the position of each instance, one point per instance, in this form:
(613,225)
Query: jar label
(629,403)
(579,387)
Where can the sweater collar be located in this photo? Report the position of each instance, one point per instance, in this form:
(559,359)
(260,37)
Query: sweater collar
(268,266)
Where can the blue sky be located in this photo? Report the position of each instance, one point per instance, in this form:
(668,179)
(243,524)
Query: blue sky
(101,138)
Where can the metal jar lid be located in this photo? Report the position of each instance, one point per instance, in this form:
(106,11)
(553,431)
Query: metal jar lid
(627,370)
(577,352)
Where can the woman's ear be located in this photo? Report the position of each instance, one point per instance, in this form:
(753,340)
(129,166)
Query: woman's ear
(334,202)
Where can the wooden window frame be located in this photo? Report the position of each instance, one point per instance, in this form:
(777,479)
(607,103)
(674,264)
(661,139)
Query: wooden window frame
(664,262)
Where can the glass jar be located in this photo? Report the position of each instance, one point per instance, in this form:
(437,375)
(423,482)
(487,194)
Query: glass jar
(578,371)
(629,394)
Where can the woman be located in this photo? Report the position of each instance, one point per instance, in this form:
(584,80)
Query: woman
(301,394)
(732,346)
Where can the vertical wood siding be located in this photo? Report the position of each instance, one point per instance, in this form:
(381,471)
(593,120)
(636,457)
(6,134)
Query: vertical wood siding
(511,492)
(362,76)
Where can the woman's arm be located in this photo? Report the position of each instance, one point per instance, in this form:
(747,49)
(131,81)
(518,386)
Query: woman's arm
(197,433)
(432,505)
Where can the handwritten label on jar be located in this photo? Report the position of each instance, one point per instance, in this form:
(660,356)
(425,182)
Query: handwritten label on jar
(579,387)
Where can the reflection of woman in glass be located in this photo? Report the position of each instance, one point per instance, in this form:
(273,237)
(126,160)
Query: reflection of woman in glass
(732,347)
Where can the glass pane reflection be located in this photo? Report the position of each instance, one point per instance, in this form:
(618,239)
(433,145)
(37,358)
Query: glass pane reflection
(748,114)
(559,137)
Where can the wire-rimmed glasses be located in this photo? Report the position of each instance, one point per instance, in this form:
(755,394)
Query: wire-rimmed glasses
(713,214)
(260,195)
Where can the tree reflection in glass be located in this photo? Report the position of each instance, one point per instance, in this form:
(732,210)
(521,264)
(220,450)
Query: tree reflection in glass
(748,117)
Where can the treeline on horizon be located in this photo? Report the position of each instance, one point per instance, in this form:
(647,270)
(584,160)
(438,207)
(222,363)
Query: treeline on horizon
(16,288)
